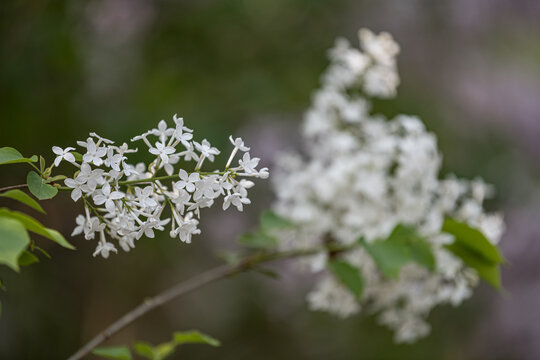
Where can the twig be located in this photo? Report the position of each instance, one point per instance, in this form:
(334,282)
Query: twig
(12,187)
(187,286)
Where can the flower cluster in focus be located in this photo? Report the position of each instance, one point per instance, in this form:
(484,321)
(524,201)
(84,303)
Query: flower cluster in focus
(365,175)
(124,201)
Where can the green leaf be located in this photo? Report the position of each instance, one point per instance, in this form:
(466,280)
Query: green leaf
(41,163)
(35,247)
(39,188)
(13,240)
(194,337)
(24,198)
(270,220)
(145,349)
(488,271)
(78,156)
(258,239)
(9,155)
(27,258)
(349,276)
(35,226)
(473,240)
(404,245)
(230,257)
(113,352)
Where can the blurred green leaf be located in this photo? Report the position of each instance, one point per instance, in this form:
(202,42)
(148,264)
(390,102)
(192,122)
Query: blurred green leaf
(41,163)
(24,198)
(27,258)
(35,247)
(113,352)
(349,276)
(474,240)
(9,155)
(404,245)
(164,350)
(230,257)
(475,250)
(39,188)
(194,337)
(488,271)
(258,239)
(35,226)
(270,220)
(145,349)
(13,240)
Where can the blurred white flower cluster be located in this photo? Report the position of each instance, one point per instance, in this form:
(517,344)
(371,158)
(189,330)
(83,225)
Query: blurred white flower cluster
(125,202)
(364,175)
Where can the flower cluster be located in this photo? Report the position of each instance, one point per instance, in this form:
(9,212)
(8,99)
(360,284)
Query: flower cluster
(124,202)
(365,175)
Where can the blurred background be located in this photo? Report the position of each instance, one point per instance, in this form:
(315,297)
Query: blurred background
(470,69)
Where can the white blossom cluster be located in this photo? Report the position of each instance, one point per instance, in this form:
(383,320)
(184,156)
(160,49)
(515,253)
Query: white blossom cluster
(125,202)
(364,175)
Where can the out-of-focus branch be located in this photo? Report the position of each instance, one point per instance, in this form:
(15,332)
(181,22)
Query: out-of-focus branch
(184,287)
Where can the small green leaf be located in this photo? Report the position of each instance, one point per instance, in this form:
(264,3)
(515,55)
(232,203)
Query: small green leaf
(474,240)
(113,352)
(24,198)
(488,271)
(41,163)
(39,188)
(230,257)
(270,220)
(35,226)
(27,258)
(404,245)
(35,247)
(349,276)
(9,155)
(13,240)
(194,337)
(145,349)
(78,156)
(258,239)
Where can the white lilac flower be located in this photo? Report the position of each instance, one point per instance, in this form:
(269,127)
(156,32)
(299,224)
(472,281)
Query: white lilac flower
(365,174)
(236,200)
(135,196)
(94,153)
(249,164)
(104,248)
(145,196)
(81,223)
(76,186)
(108,197)
(162,151)
(206,150)
(113,159)
(63,154)
(187,181)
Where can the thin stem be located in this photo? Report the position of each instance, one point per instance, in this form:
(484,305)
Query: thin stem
(12,187)
(192,284)
(168,177)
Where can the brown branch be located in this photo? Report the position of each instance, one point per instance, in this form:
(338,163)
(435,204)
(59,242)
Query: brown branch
(12,187)
(187,286)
